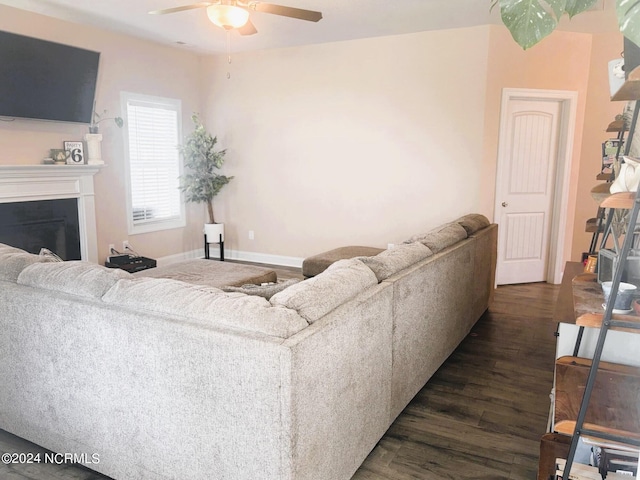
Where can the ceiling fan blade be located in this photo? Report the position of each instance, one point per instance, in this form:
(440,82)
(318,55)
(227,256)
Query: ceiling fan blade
(283,11)
(181,9)
(247,29)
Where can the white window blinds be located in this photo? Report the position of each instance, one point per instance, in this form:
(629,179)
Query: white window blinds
(153,127)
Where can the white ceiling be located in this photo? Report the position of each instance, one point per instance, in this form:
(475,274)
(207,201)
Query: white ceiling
(342,20)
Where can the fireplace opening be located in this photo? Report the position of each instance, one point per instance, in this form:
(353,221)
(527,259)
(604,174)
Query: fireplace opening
(51,224)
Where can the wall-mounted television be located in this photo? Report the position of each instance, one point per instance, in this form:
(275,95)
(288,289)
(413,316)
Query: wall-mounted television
(46,80)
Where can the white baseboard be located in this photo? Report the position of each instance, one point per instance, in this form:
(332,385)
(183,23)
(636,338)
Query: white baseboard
(214,252)
(269,259)
(178,257)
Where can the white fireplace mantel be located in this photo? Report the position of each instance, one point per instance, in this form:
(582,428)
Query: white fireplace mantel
(24,183)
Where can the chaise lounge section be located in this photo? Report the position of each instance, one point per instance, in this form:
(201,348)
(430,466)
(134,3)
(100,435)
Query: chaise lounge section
(165,379)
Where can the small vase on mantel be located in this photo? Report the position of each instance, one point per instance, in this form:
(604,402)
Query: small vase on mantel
(94,148)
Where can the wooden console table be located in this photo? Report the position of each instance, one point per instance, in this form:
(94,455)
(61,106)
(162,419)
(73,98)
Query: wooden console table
(579,305)
(614,401)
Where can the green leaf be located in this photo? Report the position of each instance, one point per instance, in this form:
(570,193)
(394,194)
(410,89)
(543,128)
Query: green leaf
(528,20)
(575,7)
(558,6)
(629,19)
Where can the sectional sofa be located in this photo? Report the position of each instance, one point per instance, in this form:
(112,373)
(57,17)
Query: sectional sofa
(155,378)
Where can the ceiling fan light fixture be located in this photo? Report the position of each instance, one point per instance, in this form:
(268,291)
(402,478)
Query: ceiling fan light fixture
(228,16)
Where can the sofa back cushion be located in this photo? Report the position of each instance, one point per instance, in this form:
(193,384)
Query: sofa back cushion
(4,248)
(74,277)
(14,260)
(473,222)
(204,305)
(391,261)
(315,297)
(440,237)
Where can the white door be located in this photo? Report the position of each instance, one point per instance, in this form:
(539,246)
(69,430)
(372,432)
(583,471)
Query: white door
(526,176)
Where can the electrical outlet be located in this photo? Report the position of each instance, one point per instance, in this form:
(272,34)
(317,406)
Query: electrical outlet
(251,235)
(111,248)
(125,245)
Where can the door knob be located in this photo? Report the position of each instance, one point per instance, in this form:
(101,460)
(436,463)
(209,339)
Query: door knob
(504,204)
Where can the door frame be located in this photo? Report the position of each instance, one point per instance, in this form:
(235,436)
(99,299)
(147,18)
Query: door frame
(559,211)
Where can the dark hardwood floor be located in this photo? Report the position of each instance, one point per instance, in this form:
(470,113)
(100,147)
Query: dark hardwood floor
(482,414)
(479,417)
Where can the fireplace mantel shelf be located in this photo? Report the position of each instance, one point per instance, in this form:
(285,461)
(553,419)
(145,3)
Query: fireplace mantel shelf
(52,170)
(24,183)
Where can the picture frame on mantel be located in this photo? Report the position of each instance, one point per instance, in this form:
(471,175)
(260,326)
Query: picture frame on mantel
(75,153)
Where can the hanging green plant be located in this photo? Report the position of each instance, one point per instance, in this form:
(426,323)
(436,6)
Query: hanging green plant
(628,12)
(529,21)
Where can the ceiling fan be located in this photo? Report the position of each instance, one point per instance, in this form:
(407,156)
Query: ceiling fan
(230,14)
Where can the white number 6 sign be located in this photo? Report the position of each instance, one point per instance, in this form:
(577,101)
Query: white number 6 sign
(75,153)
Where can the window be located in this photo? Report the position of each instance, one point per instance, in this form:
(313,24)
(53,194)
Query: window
(153,127)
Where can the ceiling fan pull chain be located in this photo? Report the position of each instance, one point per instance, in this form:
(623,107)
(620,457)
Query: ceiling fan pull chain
(228,52)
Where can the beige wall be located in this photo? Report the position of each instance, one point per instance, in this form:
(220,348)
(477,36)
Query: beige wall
(369,141)
(126,64)
(358,142)
(600,111)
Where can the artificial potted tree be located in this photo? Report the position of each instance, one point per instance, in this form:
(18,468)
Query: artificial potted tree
(202,182)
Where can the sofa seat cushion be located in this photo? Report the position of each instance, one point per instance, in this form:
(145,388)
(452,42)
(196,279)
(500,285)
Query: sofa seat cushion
(391,261)
(473,222)
(207,306)
(14,260)
(315,297)
(440,237)
(74,277)
(212,273)
(266,290)
(317,264)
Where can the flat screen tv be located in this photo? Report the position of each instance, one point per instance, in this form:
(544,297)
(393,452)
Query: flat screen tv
(45,80)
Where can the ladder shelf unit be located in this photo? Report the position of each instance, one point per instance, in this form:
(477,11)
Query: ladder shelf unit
(625,206)
(596,225)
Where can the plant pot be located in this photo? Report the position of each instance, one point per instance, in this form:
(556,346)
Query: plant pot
(626,291)
(214,232)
